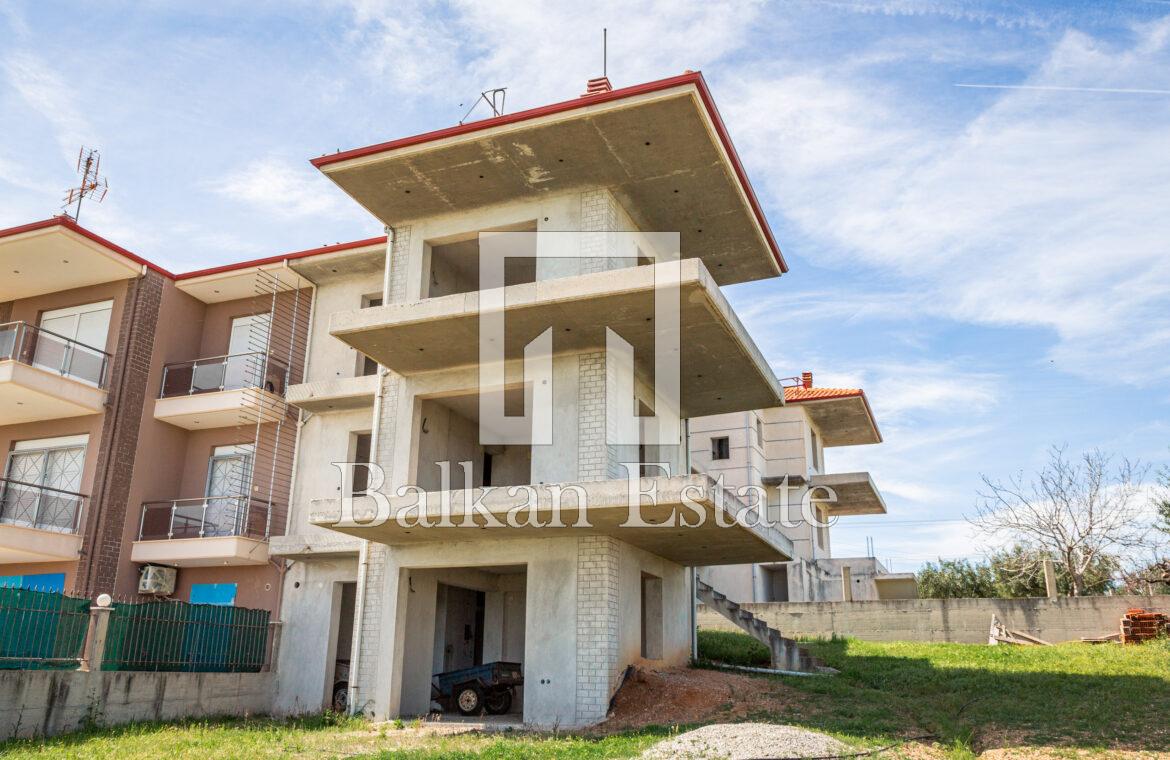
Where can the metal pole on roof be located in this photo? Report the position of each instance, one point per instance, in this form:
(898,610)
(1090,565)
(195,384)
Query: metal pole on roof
(604,51)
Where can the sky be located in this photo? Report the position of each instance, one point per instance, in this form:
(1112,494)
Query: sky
(972,197)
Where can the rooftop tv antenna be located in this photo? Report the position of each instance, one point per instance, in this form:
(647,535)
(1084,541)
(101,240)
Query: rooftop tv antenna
(494,98)
(93,185)
(604,51)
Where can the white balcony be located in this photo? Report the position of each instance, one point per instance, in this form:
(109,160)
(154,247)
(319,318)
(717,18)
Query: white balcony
(222,391)
(206,532)
(39,524)
(45,376)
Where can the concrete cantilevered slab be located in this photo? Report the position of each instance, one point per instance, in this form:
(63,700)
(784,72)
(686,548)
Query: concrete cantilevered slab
(856,494)
(660,147)
(842,416)
(608,514)
(722,370)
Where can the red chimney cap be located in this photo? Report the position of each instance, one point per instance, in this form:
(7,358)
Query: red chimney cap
(597,85)
(806,379)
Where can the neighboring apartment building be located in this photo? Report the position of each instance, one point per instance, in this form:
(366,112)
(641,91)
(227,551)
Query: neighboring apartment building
(784,448)
(391,604)
(142,417)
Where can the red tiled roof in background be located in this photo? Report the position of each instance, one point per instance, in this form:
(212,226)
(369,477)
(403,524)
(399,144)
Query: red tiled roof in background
(807,393)
(798,393)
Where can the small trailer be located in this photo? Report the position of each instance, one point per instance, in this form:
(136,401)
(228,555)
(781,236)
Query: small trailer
(491,687)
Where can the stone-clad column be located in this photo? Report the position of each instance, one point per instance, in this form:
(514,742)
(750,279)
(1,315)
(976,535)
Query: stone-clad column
(597,625)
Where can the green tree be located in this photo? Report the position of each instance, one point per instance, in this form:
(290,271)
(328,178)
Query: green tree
(955,578)
(1011,574)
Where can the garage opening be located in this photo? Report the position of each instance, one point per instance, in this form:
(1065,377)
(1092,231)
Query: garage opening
(465,638)
(452,264)
(449,434)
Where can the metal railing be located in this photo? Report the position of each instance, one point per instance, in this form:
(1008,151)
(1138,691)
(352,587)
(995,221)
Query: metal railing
(209,517)
(37,347)
(42,507)
(41,630)
(224,373)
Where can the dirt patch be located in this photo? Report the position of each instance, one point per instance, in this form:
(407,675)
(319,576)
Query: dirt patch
(683,695)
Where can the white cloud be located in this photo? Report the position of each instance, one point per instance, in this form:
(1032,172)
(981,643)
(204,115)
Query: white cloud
(1047,209)
(283,189)
(541,54)
(51,97)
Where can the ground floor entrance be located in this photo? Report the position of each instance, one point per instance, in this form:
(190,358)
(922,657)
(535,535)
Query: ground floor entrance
(478,622)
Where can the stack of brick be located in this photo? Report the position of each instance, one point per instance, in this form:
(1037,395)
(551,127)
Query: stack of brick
(1138,625)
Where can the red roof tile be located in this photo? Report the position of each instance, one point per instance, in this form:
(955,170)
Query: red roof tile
(799,393)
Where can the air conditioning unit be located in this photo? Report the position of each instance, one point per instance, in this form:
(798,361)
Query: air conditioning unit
(157,580)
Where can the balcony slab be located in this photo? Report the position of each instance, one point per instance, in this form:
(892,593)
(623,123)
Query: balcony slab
(31,394)
(201,552)
(677,498)
(19,543)
(336,395)
(220,409)
(722,370)
(856,494)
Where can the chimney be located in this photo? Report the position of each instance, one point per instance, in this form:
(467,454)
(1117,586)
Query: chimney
(806,379)
(597,86)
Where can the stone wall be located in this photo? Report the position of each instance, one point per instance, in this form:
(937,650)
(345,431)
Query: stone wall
(48,702)
(953,620)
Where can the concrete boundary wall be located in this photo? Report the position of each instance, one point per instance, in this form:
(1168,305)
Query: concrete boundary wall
(47,702)
(953,620)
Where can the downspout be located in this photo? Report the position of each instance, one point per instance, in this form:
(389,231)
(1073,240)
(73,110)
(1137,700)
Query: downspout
(359,610)
(747,432)
(694,569)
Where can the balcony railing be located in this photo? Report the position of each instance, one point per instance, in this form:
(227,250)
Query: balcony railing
(210,517)
(37,347)
(224,373)
(35,506)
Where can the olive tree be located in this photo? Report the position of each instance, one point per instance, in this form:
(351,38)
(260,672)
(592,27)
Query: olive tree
(1078,512)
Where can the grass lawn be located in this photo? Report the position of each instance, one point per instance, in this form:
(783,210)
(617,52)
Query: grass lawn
(1071,699)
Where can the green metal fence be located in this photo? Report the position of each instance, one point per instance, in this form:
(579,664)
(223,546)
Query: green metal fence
(193,638)
(41,630)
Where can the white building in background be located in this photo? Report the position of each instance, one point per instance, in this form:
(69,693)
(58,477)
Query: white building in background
(784,447)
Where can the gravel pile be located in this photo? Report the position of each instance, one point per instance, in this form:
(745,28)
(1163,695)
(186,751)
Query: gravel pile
(746,741)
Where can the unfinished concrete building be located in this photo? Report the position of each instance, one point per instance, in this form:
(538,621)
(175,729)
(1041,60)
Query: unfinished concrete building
(395,376)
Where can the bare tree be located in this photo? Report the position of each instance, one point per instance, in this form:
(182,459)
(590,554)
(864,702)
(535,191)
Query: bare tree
(1075,511)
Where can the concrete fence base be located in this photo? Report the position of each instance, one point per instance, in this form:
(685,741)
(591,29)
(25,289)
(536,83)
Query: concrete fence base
(46,702)
(953,620)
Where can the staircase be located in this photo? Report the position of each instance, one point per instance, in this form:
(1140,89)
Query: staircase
(786,653)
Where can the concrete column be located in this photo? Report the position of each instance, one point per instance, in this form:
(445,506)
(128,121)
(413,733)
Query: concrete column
(1050,579)
(846,583)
